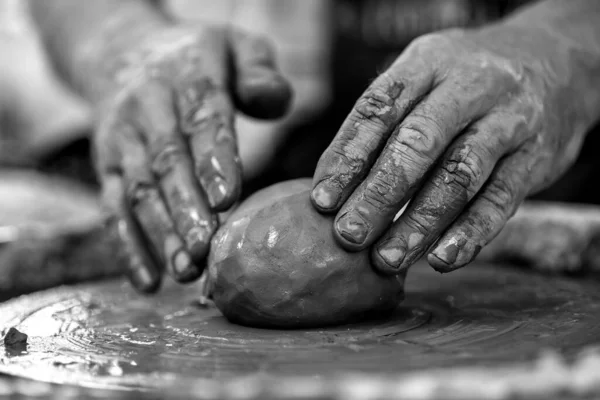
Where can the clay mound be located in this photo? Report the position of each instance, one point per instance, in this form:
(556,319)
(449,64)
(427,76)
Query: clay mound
(275,263)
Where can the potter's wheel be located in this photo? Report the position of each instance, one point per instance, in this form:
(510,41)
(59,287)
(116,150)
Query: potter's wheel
(103,335)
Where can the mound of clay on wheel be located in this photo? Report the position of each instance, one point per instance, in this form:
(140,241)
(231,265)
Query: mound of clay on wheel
(275,263)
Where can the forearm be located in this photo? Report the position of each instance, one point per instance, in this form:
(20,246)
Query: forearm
(561,38)
(86,39)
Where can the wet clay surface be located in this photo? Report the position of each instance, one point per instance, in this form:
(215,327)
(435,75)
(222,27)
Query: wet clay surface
(276,264)
(104,335)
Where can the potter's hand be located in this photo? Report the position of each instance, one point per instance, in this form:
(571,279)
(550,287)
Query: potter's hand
(464,123)
(166,147)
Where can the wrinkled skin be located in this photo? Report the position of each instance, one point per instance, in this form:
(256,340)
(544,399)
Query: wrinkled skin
(166,147)
(465,124)
(275,263)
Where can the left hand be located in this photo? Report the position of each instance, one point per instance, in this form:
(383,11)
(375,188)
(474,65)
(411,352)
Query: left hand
(464,123)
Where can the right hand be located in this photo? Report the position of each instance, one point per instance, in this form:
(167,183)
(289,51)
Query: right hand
(166,149)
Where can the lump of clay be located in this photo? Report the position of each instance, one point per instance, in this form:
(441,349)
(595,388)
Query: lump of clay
(275,263)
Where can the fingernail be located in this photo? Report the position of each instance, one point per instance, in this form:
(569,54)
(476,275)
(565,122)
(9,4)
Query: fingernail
(172,246)
(353,228)
(141,279)
(197,242)
(443,257)
(183,267)
(392,251)
(216,191)
(139,274)
(324,196)
(181,262)
(438,264)
(178,260)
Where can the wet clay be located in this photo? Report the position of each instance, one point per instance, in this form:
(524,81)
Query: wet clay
(275,263)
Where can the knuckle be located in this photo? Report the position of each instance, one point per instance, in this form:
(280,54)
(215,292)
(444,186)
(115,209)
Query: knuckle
(482,225)
(425,120)
(193,92)
(352,159)
(502,194)
(147,95)
(380,192)
(201,119)
(140,191)
(378,104)
(414,143)
(417,222)
(149,107)
(201,106)
(166,156)
(464,167)
(484,66)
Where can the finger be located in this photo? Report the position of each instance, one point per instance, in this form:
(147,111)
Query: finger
(142,269)
(260,89)
(144,200)
(486,216)
(172,168)
(462,172)
(106,155)
(206,119)
(365,131)
(411,151)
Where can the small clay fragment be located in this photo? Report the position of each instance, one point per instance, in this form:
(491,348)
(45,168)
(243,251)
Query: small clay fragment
(275,263)
(14,338)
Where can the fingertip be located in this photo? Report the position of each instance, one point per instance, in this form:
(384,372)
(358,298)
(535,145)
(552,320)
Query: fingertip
(199,248)
(439,264)
(141,269)
(350,232)
(453,252)
(221,194)
(383,267)
(263,93)
(194,273)
(324,197)
(345,244)
(181,265)
(388,256)
(144,280)
(185,269)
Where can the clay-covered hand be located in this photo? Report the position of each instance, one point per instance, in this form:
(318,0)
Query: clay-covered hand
(465,124)
(166,147)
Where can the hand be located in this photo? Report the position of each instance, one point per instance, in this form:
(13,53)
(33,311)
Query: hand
(166,147)
(464,124)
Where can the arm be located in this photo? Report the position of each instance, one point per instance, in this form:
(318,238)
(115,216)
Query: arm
(465,124)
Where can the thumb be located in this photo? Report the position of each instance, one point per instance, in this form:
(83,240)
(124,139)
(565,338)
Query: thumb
(260,90)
